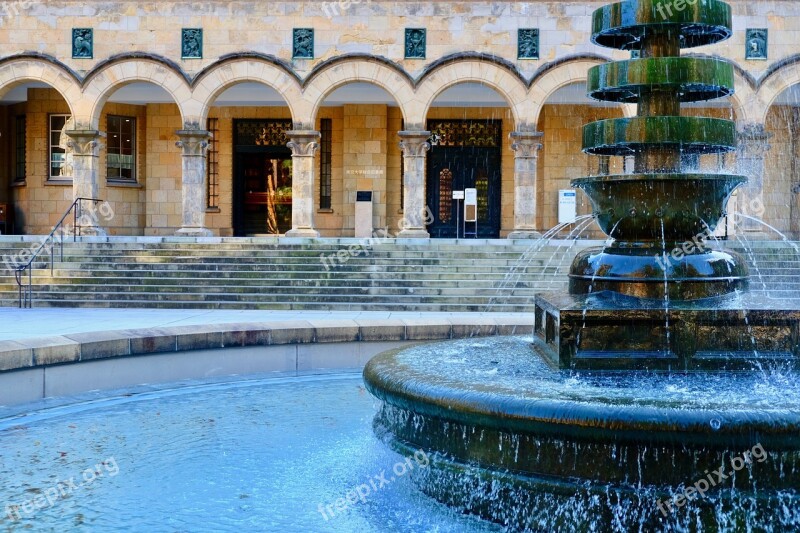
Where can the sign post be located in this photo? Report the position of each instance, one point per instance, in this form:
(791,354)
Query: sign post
(458,196)
(471,211)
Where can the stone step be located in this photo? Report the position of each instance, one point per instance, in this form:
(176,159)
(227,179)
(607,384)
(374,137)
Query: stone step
(190,285)
(301,282)
(283,306)
(288,273)
(209,271)
(284,264)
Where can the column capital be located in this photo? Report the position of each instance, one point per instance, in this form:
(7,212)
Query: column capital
(414,143)
(303,143)
(84,142)
(526,143)
(753,140)
(753,131)
(194,143)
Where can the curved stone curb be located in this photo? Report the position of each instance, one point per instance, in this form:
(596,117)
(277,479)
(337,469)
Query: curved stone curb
(40,352)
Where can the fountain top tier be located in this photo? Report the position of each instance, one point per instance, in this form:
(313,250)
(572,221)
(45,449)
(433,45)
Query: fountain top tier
(665,201)
(628,25)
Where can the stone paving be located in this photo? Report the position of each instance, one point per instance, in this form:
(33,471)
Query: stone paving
(16,324)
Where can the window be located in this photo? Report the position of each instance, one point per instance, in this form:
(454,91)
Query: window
(121,151)
(20,131)
(212,165)
(445,195)
(60,157)
(325,164)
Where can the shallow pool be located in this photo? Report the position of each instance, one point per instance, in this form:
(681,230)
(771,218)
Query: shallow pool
(295,454)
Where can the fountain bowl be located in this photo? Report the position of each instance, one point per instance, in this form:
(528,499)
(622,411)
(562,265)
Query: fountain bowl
(665,208)
(519,443)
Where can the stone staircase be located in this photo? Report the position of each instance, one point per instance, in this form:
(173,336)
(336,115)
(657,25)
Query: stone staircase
(271,273)
(774,267)
(327,274)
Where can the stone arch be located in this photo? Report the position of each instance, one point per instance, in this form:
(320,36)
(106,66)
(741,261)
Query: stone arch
(223,75)
(771,87)
(744,102)
(559,75)
(506,83)
(324,81)
(103,82)
(18,70)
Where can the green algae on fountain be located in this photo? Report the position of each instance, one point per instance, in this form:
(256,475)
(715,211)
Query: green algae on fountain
(636,303)
(598,426)
(659,206)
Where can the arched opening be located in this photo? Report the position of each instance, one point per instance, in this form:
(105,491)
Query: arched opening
(470,125)
(34,119)
(359,151)
(563,115)
(249,167)
(139,167)
(780,196)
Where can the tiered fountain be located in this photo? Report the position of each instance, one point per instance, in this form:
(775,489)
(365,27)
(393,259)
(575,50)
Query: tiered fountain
(601,425)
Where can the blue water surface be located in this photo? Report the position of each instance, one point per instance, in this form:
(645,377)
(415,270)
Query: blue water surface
(278,454)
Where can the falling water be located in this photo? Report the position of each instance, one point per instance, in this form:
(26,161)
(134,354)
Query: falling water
(513,277)
(607,243)
(668,346)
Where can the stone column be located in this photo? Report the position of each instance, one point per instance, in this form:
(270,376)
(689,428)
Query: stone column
(414,145)
(85,147)
(304,144)
(526,146)
(752,150)
(194,144)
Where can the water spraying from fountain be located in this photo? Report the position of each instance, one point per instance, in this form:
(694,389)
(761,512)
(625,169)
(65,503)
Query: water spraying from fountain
(658,393)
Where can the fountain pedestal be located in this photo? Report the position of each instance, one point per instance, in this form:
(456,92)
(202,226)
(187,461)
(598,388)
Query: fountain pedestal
(515,439)
(612,332)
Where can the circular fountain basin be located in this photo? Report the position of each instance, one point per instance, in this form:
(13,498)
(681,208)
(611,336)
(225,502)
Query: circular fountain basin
(536,447)
(690,135)
(693,78)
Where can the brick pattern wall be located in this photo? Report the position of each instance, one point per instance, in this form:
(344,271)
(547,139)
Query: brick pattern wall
(364,159)
(163,196)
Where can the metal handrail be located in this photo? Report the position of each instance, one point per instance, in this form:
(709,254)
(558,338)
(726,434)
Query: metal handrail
(26,292)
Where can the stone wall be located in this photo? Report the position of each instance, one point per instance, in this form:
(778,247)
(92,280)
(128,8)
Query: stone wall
(781,172)
(341,27)
(355,41)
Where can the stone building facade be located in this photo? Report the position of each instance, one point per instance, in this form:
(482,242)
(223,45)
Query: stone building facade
(237,118)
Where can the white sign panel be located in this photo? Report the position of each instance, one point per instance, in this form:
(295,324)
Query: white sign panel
(458,195)
(471,196)
(567,205)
